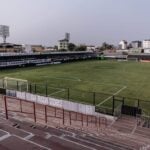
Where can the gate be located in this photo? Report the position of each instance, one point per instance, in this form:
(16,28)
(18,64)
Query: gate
(130,110)
(117,106)
(2,91)
(123,108)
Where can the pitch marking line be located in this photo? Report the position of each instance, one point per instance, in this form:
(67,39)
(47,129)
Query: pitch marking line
(55,88)
(120,90)
(102,83)
(63,78)
(105,100)
(56,92)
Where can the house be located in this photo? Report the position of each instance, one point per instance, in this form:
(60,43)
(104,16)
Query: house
(27,48)
(91,48)
(9,47)
(50,49)
(136,44)
(146,44)
(123,45)
(37,48)
(63,44)
(146,51)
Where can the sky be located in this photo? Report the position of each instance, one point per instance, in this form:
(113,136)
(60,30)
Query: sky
(90,22)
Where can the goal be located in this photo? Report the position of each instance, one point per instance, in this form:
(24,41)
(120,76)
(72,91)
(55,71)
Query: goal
(15,84)
(133,59)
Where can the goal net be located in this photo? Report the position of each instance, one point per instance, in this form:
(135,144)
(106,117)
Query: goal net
(15,84)
(132,59)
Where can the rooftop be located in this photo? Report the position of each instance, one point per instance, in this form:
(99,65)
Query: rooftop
(64,40)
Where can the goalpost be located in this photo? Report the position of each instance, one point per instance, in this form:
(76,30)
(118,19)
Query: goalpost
(133,59)
(15,84)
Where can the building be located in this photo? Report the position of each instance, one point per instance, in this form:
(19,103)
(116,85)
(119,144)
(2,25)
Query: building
(146,44)
(136,44)
(123,45)
(146,51)
(63,44)
(27,48)
(37,48)
(50,49)
(9,47)
(91,48)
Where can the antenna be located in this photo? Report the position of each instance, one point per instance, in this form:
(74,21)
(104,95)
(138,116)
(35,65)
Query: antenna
(4,32)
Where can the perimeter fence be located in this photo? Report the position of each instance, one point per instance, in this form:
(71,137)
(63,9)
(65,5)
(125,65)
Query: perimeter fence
(104,102)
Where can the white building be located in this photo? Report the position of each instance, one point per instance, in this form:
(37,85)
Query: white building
(63,44)
(147,51)
(27,48)
(123,44)
(146,44)
(91,48)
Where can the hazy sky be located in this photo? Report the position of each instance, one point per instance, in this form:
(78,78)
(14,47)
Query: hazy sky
(88,21)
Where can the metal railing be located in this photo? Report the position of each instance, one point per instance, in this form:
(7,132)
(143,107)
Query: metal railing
(102,101)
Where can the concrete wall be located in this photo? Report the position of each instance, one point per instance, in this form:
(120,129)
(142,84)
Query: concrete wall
(59,103)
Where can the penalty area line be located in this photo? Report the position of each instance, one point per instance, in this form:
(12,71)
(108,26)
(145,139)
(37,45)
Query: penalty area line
(65,78)
(57,92)
(105,100)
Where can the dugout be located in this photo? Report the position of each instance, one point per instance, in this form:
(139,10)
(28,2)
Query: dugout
(139,56)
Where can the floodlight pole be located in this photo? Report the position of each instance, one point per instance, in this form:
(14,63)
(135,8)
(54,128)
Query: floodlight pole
(4,43)
(4,39)
(4,33)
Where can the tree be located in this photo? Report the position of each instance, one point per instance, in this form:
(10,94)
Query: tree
(71,47)
(56,47)
(106,46)
(81,48)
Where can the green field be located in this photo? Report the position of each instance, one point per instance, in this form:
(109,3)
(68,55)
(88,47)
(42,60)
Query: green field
(128,79)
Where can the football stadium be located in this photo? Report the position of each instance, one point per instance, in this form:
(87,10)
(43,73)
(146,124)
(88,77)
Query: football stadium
(87,89)
(80,103)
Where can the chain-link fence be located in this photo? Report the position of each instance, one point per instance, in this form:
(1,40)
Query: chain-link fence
(104,102)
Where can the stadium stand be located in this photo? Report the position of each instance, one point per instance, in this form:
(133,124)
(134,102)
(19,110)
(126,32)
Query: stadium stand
(23,59)
(20,131)
(139,56)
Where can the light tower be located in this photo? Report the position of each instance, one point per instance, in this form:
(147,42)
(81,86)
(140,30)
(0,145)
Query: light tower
(4,32)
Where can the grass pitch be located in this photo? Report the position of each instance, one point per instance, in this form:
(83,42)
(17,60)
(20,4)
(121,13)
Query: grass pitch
(129,79)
